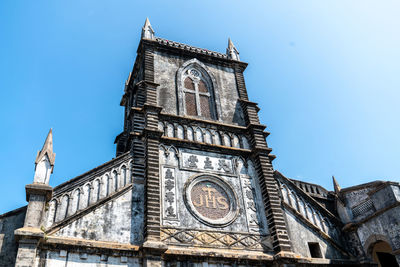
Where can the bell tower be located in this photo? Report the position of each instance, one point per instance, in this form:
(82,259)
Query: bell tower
(200,150)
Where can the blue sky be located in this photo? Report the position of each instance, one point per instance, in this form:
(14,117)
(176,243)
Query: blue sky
(325,75)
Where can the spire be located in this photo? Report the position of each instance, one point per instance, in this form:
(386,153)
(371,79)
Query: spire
(147,30)
(44,162)
(231,51)
(336,185)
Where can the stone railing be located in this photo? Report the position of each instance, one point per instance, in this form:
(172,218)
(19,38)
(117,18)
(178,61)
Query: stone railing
(89,188)
(204,134)
(312,189)
(307,210)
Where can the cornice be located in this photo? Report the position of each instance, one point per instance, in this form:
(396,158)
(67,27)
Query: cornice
(173,47)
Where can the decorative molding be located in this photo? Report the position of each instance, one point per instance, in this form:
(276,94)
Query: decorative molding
(204,134)
(200,238)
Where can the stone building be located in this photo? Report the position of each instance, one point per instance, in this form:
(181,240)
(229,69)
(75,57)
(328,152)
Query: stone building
(192,184)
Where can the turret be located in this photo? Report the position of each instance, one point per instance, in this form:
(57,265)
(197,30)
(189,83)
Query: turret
(231,51)
(44,162)
(147,30)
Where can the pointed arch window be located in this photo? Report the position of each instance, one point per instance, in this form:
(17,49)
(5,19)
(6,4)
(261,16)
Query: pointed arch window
(196,93)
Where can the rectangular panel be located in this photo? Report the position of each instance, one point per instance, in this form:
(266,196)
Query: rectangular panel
(169,196)
(205,106)
(190,102)
(209,162)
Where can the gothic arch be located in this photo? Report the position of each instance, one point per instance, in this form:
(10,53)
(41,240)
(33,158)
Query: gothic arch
(217,138)
(180,132)
(95,196)
(240,165)
(198,132)
(208,137)
(123,170)
(189,133)
(210,82)
(174,150)
(372,240)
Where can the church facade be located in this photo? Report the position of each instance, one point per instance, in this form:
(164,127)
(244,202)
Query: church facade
(193,184)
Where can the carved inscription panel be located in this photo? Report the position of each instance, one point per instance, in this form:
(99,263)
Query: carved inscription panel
(208,163)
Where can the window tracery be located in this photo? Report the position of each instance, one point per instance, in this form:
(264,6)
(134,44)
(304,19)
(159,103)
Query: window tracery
(196,94)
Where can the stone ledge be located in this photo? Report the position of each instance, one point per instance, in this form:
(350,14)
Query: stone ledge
(219,253)
(154,247)
(28,233)
(322,261)
(146,82)
(286,255)
(39,189)
(68,241)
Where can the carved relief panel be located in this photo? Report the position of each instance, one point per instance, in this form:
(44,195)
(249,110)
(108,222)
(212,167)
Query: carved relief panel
(202,190)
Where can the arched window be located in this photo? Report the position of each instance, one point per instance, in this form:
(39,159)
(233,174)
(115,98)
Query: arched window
(196,93)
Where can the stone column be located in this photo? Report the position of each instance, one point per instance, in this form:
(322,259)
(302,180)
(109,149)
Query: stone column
(29,236)
(37,194)
(153,248)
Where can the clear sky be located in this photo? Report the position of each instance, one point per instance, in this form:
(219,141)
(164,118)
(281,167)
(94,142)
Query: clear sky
(326,75)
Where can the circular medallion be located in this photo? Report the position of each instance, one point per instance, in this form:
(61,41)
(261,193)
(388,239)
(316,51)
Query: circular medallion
(195,73)
(211,200)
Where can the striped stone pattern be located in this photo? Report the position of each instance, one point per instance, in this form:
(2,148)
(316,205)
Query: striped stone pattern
(141,97)
(272,203)
(152,193)
(240,83)
(250,111)
(268,185)
(152,178)
(148,61)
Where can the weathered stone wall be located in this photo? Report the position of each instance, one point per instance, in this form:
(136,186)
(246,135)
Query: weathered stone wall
(88,189)
(220,263)
(300,234)
(137,216)
(8,246)
(384,227)
(108,222)
(355,197)
(71,259)
(166,67)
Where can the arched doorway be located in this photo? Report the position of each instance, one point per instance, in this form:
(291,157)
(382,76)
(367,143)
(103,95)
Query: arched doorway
(382,254)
